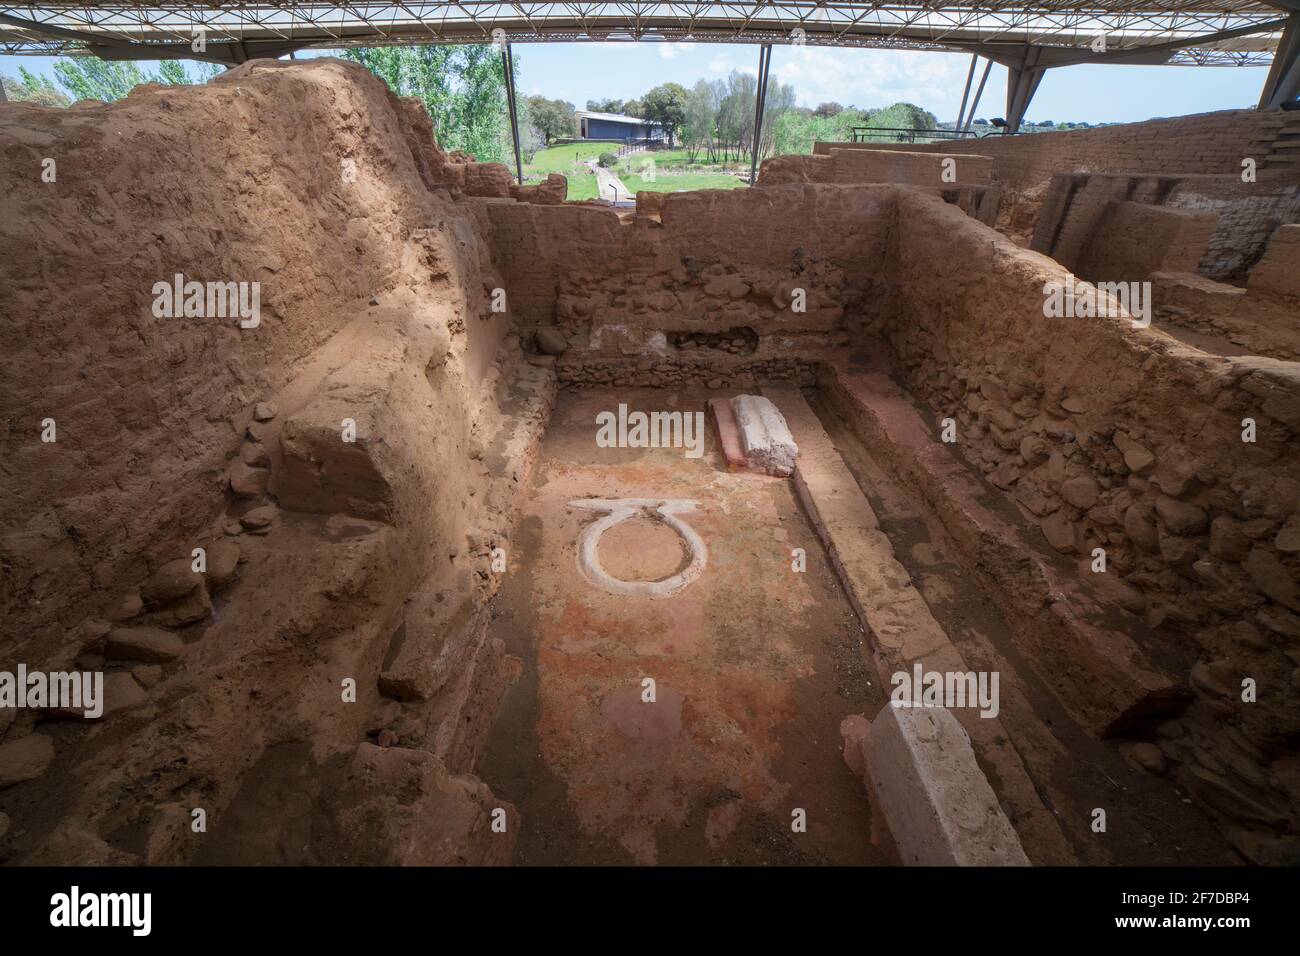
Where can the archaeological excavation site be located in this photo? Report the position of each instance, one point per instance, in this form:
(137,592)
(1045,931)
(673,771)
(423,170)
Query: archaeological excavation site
(916,503)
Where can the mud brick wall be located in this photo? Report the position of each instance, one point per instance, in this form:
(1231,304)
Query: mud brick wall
(1278,271)
(121,384)
(1076,205)
(907,168)
(1249,214)
(717,270)
(849,166)
(1110,436)
(1203,143)
(1133,240)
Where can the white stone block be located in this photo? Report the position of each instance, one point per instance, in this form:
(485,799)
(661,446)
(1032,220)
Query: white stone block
(936,800)
(764,436)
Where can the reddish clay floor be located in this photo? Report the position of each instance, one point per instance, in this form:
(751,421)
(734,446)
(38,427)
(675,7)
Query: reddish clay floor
(753,666)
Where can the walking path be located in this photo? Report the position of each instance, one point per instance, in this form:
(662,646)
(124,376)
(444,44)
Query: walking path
(609,186)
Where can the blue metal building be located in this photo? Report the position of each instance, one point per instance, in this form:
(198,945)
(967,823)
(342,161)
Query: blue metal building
(616,127)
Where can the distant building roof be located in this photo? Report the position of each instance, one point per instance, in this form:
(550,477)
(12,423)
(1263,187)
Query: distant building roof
(616,118)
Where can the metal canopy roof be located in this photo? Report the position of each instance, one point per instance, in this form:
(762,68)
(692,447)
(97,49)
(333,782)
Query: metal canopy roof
(1205,32)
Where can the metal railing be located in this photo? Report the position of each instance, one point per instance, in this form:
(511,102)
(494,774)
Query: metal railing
(636,145)
(904,134)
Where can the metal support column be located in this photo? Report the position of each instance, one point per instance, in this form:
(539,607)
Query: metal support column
(760,101)
(965,93)
(979,91)
(509,66)
(1282,85)
(1022,83)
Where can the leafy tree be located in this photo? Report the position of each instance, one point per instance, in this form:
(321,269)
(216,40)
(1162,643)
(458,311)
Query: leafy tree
(175,73)
(736,114)
(700,127)
(90,78)
(605,106)
(719,117)
(530,141)
(633,108)
(552,119)
(904,116)
(779,102)
(462,87)
(827,110)
(29,88)
(795,132)
(666,105)
(172,72)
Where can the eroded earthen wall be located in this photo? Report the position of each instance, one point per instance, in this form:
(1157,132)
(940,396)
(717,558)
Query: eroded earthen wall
(1203,143)
(1115,437)
(1076,206)
(328,459)
(1206,143)
(716,276)
(1133,240)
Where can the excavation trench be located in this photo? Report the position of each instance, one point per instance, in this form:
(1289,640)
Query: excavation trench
(753,665)
(697,728)
(438,622)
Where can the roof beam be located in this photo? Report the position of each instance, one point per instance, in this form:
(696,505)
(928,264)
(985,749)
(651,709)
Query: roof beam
(226,53)
(1268,26)
(1282,85)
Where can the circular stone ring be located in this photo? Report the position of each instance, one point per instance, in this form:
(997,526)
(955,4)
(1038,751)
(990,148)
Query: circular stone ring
(620,509)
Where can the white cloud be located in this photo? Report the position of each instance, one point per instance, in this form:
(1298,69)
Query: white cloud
(877,78)
(721,64)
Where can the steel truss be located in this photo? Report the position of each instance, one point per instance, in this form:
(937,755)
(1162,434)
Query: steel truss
(240,30)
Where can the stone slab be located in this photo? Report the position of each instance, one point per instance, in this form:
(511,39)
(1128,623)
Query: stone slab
(940,808)
(764,437)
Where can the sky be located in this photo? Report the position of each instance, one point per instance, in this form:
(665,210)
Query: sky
(1108,93)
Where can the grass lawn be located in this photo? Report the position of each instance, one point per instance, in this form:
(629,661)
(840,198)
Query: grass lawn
(568,160)
(582,186)
(670,162)
(673,182)
(561,159)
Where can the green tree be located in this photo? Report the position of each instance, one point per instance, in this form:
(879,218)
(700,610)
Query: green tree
(90,78)
(903,116)
(29,88)
(176,73)
(699,130)
(666,105)
(552,119)
(462,87)
(827,110)
(172,72)
(605,106)
(736,114)
(778,102)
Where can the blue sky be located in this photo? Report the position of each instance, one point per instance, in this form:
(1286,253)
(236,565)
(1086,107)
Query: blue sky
(868,78)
